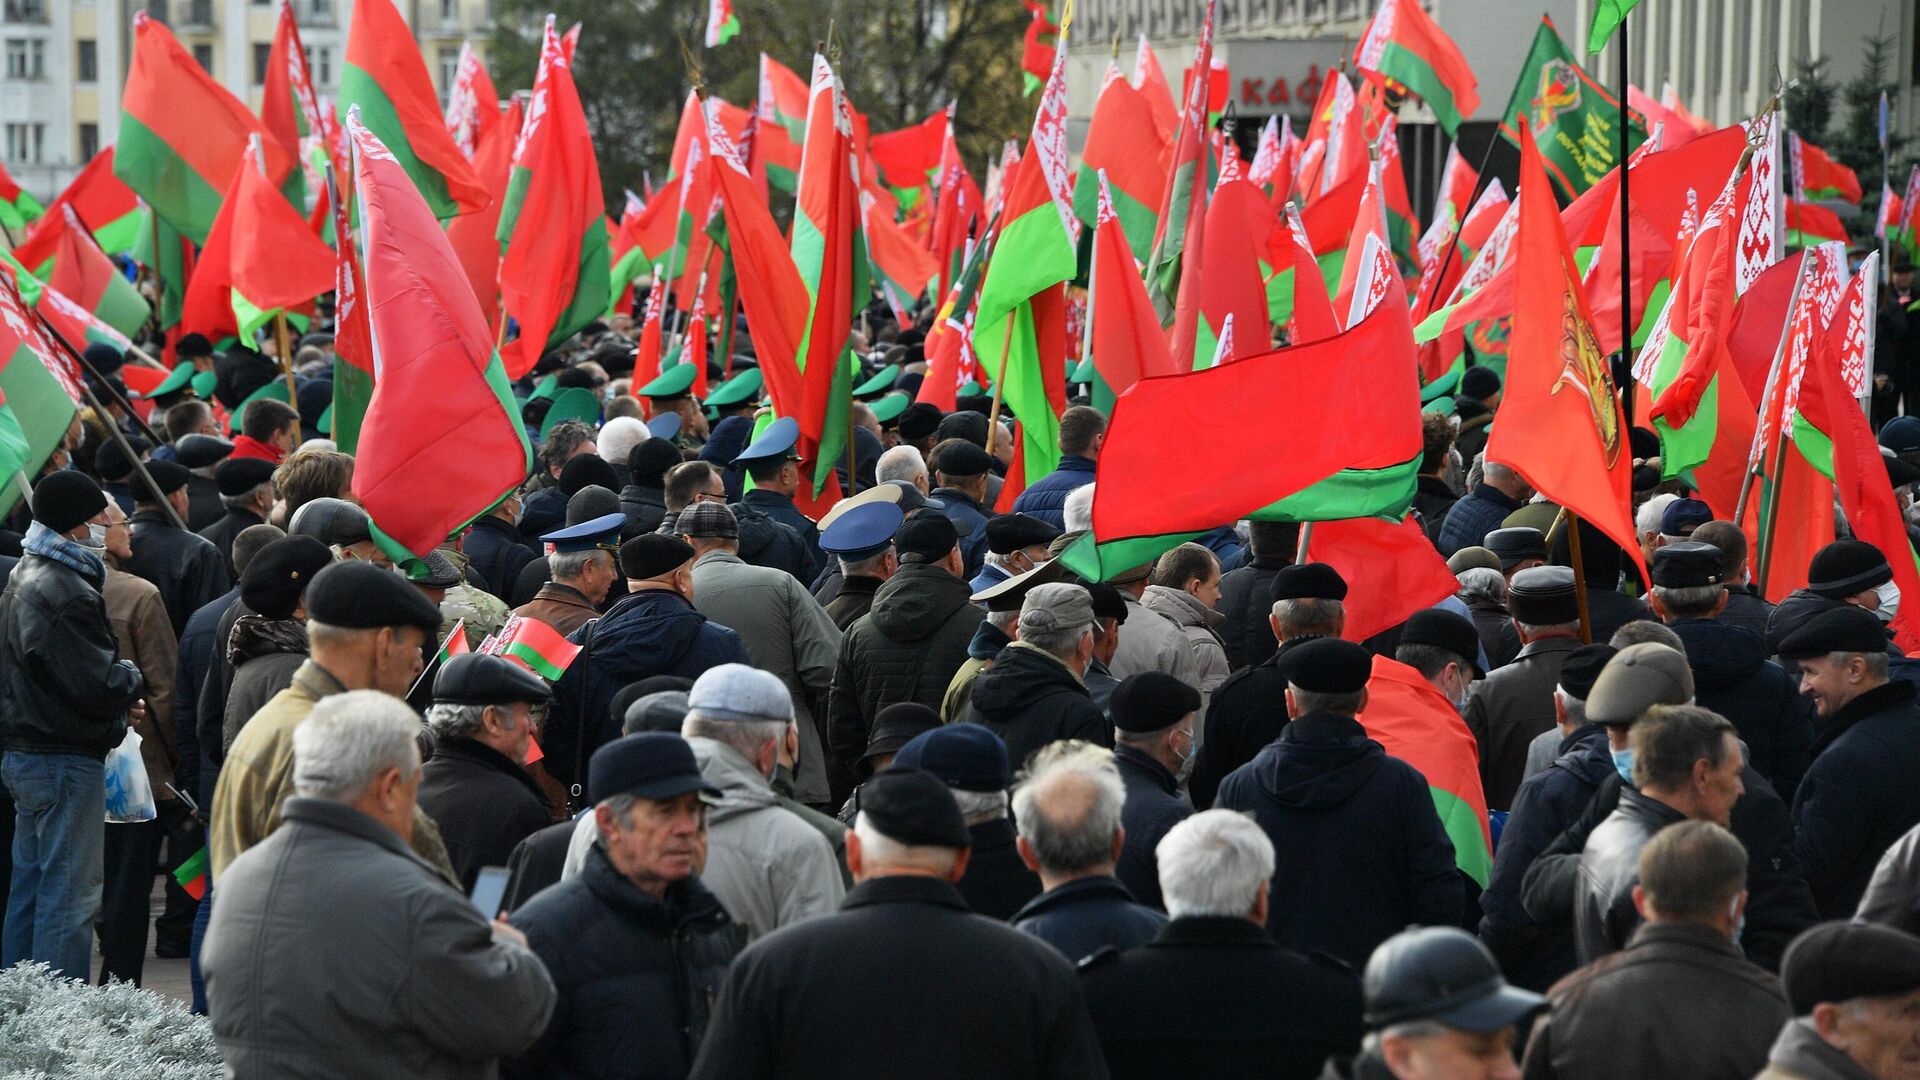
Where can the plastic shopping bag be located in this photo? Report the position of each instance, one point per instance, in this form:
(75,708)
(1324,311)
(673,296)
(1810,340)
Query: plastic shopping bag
(129,795)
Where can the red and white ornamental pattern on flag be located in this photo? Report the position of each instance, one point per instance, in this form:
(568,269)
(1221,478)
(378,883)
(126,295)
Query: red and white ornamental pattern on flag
(26,329)
(1910,202)
(1374,281)
(1857,308)
(1337,134)
(1266,156)
(463,102)
(1822,279)
(1493,255)
(1762,239)
(1648,360)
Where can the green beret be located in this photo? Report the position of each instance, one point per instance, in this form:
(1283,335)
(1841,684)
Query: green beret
(573,403)
(674,382)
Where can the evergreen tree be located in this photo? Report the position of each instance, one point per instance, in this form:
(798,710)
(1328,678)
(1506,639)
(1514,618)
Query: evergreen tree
(1857,142)
(1809,100)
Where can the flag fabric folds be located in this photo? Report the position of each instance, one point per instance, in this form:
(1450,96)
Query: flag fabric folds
(1403,44)
(386,78)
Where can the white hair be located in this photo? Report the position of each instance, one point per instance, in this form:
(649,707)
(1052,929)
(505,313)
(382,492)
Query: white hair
(619,436)
(315,444)
(1576,708)
(1069,807)
(880,851)
(1647,518)
(1213,863)
(744,736)
(903,462)
(1493,472)
(1076,514)
(1482,583)
(568,565)
(451,721)
(350,739)
(979,806)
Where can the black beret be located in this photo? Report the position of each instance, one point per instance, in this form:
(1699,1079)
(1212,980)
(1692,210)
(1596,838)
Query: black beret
(962,459)
(1327,666)
(966,757)
(925,538)
(655,765)
(1841,961)
(1307,581)
(1846,567)
(1902,434)
(1008,533)
(1479,382)
(897,725)
(1446,630)
(280,572)
(191,345)
(1107,601)
(358,595)
(481,679)
(912,806)
(1582,668)
(200,451)
(919,421)
(1151,701)
(591,503)
(650,459)
(63,500)
(112,463)
(103,357)
(582,470)
(650,555)
(1841,629)
(168,477)
(241,475)
(1686,564)
(1543,596)
(968,426)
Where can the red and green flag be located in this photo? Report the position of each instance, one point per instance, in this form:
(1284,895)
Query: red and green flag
(442,405)
(899,264)
(1240,227)
(353,337)
(106,206)
(1335,151)
(1125,339)
(386,78)
(909,158)
(1180,242)
(775,298)
(475,236)
(1413,721)
(956,210)
(553,274)
(539,647)
(1124,142)
(191,875)
(473,105)
(1810,224)
(288,105)
(1404,46)
(83,273)
(1819,178)
(1308,309)
(261,258)
(35,407)
(1574,120)
(1040,48)
(455,644)
(722,23)
(17,205)
(782,111)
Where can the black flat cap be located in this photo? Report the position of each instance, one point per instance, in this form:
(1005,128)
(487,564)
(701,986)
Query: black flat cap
(168,477)
(331,521)
(1842,629)
(480,679)
(655,765)
(962,458)
(1682,516)
(1543,596)
(966,757)
(1151,701)
(1441,973)
(1307,581)
(897,725)
(1517,544)
(1839,961)
(112,463)
(925,538)
(1582,667)
(650,555)
(282,570)
(1444,630)
(912,806)
(358,595)
(191,345)
(1008,533)
(1107,601)
(200,451)
(1327,666)
(1846,567)
(241,475)
(1686,564)
(920,420)
(63,500)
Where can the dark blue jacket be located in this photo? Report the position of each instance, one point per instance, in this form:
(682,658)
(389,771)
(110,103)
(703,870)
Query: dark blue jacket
(651,632)
(1046,497)
(781,509)
(497,552)
(1244,607)
(1153,807)
(970,521)
(1470,520)
(1733,677)
(1086,915)
(1858,797)
(1361,854)
(199,768)
(542,512)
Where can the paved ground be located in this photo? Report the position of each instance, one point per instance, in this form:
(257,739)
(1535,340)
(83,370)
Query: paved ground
(165,977)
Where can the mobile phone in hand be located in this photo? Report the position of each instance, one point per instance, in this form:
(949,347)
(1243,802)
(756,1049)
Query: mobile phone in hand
(489,889)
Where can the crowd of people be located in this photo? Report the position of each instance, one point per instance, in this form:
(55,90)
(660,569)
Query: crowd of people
(892,791)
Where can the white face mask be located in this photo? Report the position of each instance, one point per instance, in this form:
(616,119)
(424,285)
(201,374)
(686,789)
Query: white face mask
(96,537)
(1889,594)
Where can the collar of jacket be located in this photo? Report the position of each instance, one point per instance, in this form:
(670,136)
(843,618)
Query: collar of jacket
(912,574)
(1282,649)
(53,547)
(562,593)
(860,583)
(1186,608)
(341,818)
(238,513)
(648,595)
(1135,758)
(1048,658)
(719,556)
(245,446)
(1581,737)
(905,889)
(316,682)
(1084,890)
(987,642)
(1075,463)
(1646,809)
(1323,727)
(643,493)
(1565,643)
(494,524)
(997,833)
(1689,935)
(1894,694)
(763,497)
(688,904)
(1214,930)
(154,517)
(484,756)
(1801,1052)
(1427,484)
(1489,493)
(951,496)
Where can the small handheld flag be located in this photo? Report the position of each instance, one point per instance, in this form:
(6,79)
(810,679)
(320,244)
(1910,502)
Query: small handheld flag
(192,874)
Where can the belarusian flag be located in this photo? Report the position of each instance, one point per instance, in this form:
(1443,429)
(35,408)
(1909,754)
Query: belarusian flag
(1123,142)
(1181,239)
(475,236)
(170,256)
(288,106)
(1607,17)
(722,23)
(473,105)
(647,355)
(17,207)
(909,158)
(79,270)
(353,336)
(1370,221)
(182,134)
(1574,120)
(1809,224)
(951,360)
(1037,56)
(1405,45)
(772,293)
(542,649)
(455,644)
(830,255)
(1763,218)
(1890,213)
(1414,722)
(1127,343)
(553,275)
(35,409)
(1240,224)
(191,875)
(106,206)
(955,211)
(1817,177)
(782,109)
(386,78)
(1276,158)
(901,267)
(261,257)
(1310,315)
(1559,423)
(1336,143)
(442,440)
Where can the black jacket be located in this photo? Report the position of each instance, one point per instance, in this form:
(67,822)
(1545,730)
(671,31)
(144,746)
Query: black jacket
(536,864)
(997,884)
(1085,915)
(199,763)
(782,510)
(187,569)
(970,521)
(221,533)
(1432,498)
(645,508)
(1603,911)
(203,502)
(1859,795)
(1031,699)
(850,995)
(1609,609)
(1733,677)
(1247,712)
(906,648)
(1244,608)
(1153,807)
(1361,851)
(636,976)
(1508,708)
(1747,610)
(1497,635)
(853,599)
(63,687)
(483,803)
(1214,997)
(497,552)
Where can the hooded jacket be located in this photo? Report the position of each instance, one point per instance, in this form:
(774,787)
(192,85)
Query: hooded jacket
(1149,641)
(1361,851)
(906,648)
(1030,698)
(1733,677)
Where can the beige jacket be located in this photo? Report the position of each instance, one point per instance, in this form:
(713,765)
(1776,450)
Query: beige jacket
(140,624)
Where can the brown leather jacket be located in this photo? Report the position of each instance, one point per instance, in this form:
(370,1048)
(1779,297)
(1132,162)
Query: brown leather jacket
(562,607)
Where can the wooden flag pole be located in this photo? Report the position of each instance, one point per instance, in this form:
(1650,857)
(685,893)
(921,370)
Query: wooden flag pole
(993,414)
(283,341)
(1569,522)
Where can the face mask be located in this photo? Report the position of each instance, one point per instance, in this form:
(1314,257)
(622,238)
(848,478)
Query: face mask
(96,538)
(1186,762)
(1623,764)
(1889,594)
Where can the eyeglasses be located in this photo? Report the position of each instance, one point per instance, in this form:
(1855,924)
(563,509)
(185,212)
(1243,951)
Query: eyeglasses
(713,496)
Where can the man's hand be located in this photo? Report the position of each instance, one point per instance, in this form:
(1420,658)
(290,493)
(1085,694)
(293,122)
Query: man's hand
(506,931)
(137,713)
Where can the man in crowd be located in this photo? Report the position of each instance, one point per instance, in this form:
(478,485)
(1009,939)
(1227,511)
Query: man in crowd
(445,993)
(496,548)
(972,762)
(1245,597)
(1082,431)
(960,471)
(775,470)
(269,430)
(1015,544)
(1153,718)
(1514,704)
(1855,996)
(643,501)
(476,788)
(1185,587)
(585,565)
(1069,810)
(187,568)
(1034,693)
(1500,492)
(1212,995)
(861,540)
(1149,641)
(247,493)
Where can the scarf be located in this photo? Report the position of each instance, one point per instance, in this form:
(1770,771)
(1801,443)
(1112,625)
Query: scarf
(48,544)
(257,635)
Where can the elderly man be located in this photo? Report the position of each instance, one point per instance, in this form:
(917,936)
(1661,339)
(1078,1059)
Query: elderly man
(435,991)
(1362,850)
(1437,1009)
(1069,811)
(635,942)
(65,697)
(496,547)
(991,638)
(187,568)
(1483,589)
(904,464)
(475,788)
(585,564)
(775,468)
(246,491)
(1012,1005)
(1034,694)
(972,762)
(1306,603)
(1212,995)
(1855,996)
(1500,492)
(1514,704)
(862,541)
(1153,718)
(1857,797)
(1615,1017)
(783,628)
(1015,544)
(960,471)
(763,540)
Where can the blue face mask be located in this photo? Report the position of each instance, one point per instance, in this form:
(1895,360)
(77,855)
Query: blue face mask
(1623,763)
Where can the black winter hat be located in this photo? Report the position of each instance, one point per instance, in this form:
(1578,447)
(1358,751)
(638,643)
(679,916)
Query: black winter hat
(1583,667)
(913,807)
(1307,581)
(1151,701)
(582,470)
(1327,666)
(649,461)
(1008,533)
(1446,630)
(200,451)
(241,475)
(358,595)
(649,555)
(1846,567)
(925,538)
(482,679)
(282,571)
(63,500)
(921,419)
(168,477)
(1841,961)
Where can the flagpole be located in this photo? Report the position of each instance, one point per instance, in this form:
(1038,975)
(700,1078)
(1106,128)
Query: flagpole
(1766,394)
(993,414)
(285,345)
(1626,261)
(1306,538)
(1566,520)
(1886,190)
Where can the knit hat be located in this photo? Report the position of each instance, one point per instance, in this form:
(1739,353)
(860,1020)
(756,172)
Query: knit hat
(65,499)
